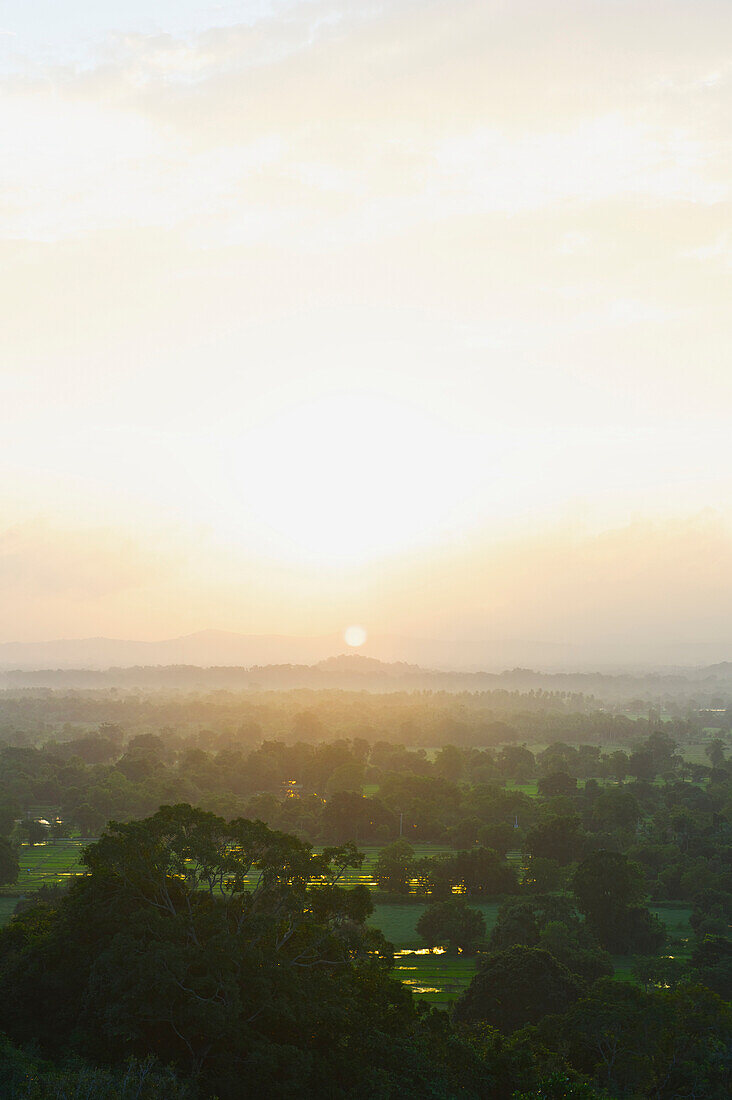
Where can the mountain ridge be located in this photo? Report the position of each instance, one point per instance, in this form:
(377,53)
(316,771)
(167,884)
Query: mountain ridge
(214,647)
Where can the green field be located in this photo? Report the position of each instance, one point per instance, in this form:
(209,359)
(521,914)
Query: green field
(398,921)
(437,978)
(676,918)
(623,964)
(440,978)
(365,875)
(434,977)
(530,789)
(43,865)
(694,752)
(46,864)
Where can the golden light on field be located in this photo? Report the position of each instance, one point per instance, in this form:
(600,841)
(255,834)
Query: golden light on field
(355,636)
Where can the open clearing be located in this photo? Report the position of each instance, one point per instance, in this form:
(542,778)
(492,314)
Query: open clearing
(398,921)
(42,865)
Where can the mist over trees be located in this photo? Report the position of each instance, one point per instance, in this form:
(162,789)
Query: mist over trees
(242,849)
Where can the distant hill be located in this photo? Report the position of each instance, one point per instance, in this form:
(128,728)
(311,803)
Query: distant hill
(207,648)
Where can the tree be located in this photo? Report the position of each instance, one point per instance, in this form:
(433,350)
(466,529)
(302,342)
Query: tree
(228,950)
(9,811)
(395,867)
(664,972)
(641,764)
(516,987)
(453,924)
(349,816)
(35,832)
(616,809)
(559,1086)
(436,875)
(501,838)
(616,765)
(712,961)
(559,757)
(662,749)
(545,875)
(715,752)
(449,763)
(9,866)
(59,829)
(90,820)
(558,783)
(25,1075)
(346,777)
(666,1044)
(517,923)
(516,762)
(568,942)
(559,838)
(654,757)
(608,888)
(465,833)
(483,874)
(606,882)
(552,923)
(479,873)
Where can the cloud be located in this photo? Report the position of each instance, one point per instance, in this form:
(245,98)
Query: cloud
(375,114)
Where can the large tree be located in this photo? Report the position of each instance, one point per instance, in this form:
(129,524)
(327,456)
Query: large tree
(226,949)
(452,924)
(559,838)
(609,889)
(518,986)
(395,867)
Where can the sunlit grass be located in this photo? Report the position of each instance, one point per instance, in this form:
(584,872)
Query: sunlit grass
(42,865)
(435,978)
(530,789)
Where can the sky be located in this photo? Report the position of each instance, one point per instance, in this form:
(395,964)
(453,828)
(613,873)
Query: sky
(412,315)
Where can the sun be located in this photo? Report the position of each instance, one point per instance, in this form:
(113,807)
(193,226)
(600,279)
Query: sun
(354,636)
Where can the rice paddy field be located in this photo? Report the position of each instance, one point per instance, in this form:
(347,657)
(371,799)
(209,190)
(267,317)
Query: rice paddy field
(364,875)
(398,920)
(435,977)
(45,865)
(439,978)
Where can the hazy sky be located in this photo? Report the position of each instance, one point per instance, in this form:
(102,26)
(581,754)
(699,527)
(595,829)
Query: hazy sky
(414,314)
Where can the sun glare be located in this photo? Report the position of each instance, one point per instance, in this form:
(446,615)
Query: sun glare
(348,478)
(354,636)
